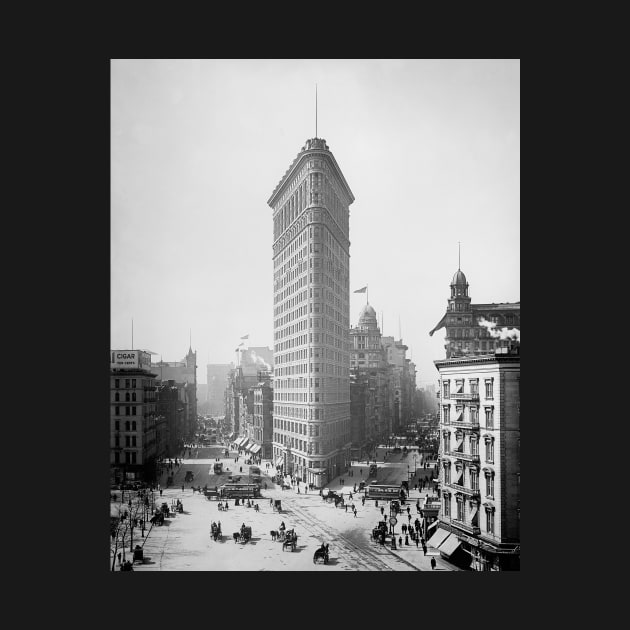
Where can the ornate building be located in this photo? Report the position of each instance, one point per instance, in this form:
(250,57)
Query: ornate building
(479,461)
(311,406)
(370,377)
(466,333)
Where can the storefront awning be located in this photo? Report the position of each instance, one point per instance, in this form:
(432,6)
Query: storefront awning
(230,436)
(280,460)
(317,471)
(238,441)
(245,442)
(255,448)
(438,537)
(434,524)
(449,546)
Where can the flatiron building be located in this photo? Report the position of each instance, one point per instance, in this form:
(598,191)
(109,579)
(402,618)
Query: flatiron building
(311,400)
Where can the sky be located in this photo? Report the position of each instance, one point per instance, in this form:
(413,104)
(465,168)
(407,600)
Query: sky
(429,148)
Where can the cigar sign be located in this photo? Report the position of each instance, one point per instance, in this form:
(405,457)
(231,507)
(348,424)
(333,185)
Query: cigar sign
(129,359)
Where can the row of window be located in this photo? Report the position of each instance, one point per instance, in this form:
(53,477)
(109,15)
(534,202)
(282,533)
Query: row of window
(130,457)
(474,387)
(129,383)
(130,441)
(461,511)
(489,444)
(129,426)
(473,415)
(129,411)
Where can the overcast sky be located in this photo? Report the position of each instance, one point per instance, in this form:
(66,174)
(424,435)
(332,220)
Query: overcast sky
(430,149)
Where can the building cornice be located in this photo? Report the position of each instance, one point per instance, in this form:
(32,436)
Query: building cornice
(297,164)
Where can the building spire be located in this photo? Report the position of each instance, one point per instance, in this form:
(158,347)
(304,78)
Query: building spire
(459,256)
(316,110)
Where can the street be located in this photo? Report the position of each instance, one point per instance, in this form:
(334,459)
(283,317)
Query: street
(184,542)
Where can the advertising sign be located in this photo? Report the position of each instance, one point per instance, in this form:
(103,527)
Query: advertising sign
(130,359)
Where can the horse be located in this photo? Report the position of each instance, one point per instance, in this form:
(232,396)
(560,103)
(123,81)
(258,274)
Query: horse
(321,553)
(274,534)
(236,536)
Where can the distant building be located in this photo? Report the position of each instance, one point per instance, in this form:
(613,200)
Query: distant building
(479,477)
(466,333)
(138,436)
(185,373)
(217,379)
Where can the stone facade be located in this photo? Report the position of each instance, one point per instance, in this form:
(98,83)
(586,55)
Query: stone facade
(138,434)
(479,477)
(311,406)
(465,334)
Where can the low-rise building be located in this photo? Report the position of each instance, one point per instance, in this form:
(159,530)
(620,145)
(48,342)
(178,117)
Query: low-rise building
(138,435)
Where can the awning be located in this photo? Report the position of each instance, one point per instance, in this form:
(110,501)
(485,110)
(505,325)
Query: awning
(230,436)
(240,441)
(439,537)
(459,416)
(457,445)
(280,460)
(245,442)
(449,546)
(256,448)
(317,471)
(436,522)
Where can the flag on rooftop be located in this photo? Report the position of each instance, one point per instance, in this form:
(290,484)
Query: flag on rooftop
(363,290)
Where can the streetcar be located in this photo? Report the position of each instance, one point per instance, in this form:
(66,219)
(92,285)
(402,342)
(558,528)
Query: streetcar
(383,491)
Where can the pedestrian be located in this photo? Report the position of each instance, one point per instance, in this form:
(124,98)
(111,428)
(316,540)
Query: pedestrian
(362,500)
(417,541)
(407,540)
(182,487)
(404,528)
(433,562)
(382,510)
(400,541)
(119,557)
(355,512)
(424,548)
(346,506)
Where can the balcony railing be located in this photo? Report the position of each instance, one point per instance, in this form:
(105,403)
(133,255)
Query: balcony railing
(470,491)
(469,457)
(467,527)
(465,396)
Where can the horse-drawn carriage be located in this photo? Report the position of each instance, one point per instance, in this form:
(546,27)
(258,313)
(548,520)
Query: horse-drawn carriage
(243,535)
(332,496)
(380,532)
(277,505)
(321,554)
(289,539)
(157,518)
(215,531)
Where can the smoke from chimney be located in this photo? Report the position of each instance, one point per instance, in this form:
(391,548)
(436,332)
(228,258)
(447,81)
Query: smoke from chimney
(502,333)
(259,360)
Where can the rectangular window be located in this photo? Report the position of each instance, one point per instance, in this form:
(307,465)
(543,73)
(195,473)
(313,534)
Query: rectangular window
(117,383)
(474,387)
(133,457)
(490,451)
(490,521)
(133,411)
(127,411)
(490,486)
(447,505)
(447,389)
(117,424)
(489,383)
(116,457)
(117,411)
(127,381)
(489,417)
(133,383)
